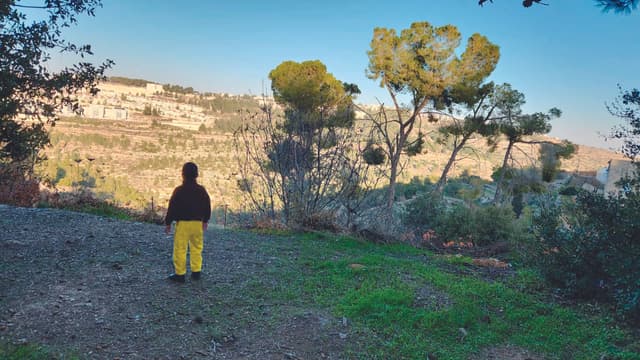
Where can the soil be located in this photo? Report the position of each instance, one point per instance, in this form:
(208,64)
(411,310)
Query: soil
(96,288)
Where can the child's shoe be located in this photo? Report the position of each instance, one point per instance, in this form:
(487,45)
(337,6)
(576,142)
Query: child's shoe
(195,275)
(176,278)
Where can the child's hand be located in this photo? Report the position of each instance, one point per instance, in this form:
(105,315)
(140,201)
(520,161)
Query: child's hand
(204,226)
(167,229)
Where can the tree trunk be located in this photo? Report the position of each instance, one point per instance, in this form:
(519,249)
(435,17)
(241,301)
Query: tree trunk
(452,159)
(507,155)
(393,176)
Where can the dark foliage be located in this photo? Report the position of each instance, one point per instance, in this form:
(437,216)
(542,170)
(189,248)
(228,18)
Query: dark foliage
(525,3)
(618,6)
(550,156)
(18,190)
(424,210)
(592,250)
(30,94)
(288,155)
(415,147)
(177,89)
(128,81)
(568,191)
(481,226)
(627,107)
(374,155)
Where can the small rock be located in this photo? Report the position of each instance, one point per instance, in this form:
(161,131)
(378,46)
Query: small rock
(342,335)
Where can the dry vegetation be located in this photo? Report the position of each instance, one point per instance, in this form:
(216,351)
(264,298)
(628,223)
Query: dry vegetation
(138,160)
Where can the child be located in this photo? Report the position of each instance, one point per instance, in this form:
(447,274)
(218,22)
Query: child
(190,207)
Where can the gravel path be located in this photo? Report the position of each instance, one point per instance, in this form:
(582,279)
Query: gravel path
(95,287)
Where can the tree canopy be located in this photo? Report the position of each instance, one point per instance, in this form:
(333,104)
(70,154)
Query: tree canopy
(421,63)
(312,96)
(30,93)
(617,6)
(477,101)
(517,127)
(306,161)
(627,107)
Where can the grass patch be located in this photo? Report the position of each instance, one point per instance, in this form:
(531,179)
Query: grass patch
(106,210)
(30,352)
(100,208)
(375,287)
(457,259)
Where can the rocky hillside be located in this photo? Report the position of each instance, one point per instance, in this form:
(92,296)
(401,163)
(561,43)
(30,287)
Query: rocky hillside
(137,161)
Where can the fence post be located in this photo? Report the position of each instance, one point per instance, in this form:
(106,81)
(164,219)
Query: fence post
(224,225)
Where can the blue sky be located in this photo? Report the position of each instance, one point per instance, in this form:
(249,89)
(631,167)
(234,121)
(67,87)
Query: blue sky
(569,54)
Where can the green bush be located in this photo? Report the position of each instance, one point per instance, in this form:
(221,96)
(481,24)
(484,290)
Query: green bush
(374,155)
(481,226)
(423,211)
(453,187)
(415,186)
(591,249)
(568,191)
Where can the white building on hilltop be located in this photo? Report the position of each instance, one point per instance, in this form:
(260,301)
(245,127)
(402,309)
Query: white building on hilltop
(153,89)
(103,112)
(613,173)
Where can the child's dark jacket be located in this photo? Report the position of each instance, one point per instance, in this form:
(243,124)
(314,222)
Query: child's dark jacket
(189,201)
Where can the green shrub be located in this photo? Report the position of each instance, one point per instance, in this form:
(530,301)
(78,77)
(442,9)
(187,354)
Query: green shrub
(423,211)
(591,249)
(453,187)
(481,226)
(569,191)
(493,224)
(455,224)
(374,155)
(415,186)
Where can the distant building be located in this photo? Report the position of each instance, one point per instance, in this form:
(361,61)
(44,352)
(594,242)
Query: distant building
(116,114)
(94,111)
(103,112)
(153,89)
(617,170)
(602,175)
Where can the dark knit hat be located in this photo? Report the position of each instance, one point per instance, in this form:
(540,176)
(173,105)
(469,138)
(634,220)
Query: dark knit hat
(190,171)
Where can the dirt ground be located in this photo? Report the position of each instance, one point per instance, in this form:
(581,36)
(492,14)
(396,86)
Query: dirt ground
(96,288)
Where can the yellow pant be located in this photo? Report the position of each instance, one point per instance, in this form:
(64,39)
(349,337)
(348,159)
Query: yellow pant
(188,234)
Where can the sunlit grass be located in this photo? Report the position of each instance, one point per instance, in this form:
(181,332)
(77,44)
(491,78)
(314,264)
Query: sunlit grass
(375,287)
